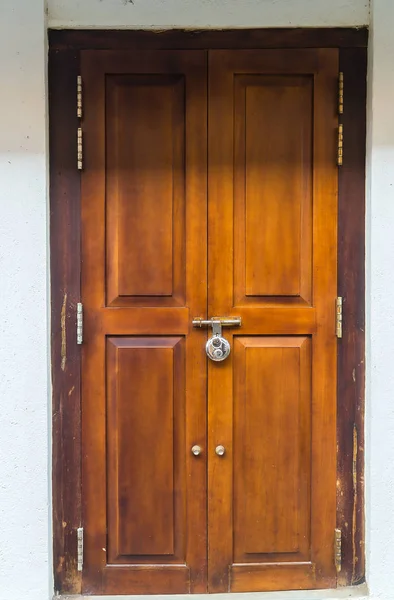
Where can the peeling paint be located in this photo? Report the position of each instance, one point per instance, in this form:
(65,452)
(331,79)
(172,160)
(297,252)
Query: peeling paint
(71,391)
(354,375)
(63,349)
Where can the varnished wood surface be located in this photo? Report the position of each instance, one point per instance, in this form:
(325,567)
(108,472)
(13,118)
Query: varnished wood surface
(230,507)
(144,398)
(332,37)
(64,197)
(146,459)
(272,441)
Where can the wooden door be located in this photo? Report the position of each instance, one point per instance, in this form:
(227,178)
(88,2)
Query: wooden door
(272,261)
(143,279)
(209,189)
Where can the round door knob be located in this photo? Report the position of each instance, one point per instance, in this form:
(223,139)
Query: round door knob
(196,450)
(220,450)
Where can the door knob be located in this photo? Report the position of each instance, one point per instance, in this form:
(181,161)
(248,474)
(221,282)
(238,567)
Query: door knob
(220,450)
(196,450)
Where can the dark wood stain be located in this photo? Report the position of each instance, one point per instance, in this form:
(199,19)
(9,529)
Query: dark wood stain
(65,291)
(351,349)
(210,39)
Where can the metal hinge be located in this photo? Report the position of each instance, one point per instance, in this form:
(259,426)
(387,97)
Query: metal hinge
(79,97)
(340,145)
(79,548)
(340,94)
(79,149)
(79,323)
(339,316)
(338,550)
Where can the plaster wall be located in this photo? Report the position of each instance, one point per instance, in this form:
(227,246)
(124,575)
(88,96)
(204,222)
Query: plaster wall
(162,14)
(24,368)
(24,515)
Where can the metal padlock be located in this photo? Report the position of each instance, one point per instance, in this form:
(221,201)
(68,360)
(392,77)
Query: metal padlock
(217,348)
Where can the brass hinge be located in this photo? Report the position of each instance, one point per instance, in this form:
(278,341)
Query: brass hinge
(79,97)
(79,149)
(339,316)
(340,94)
(79,548)
(338,550)
(79,323)
(340,145)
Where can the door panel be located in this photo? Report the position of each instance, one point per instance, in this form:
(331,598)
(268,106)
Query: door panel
(145,441)
(272,441)
(272,261)
(272,188)
(145,154)
(144,240)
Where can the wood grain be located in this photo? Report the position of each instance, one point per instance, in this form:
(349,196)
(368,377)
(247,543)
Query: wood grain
(65,261)
(145,445)
(273,145)
(223,504)
(351,349)
(272,442)
(65,293)
(145,201)
(170,482)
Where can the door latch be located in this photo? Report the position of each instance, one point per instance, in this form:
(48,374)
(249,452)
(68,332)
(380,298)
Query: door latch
(217,347)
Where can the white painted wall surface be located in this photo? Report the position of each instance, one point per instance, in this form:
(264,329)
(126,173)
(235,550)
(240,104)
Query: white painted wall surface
(380,272)
(156,14)
(24,434)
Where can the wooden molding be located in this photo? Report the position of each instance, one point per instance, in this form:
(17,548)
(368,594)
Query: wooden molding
(351,348)
(80,39)
(65,293)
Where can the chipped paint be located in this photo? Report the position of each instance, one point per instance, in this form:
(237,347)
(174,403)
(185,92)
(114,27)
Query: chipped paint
(354,522)
(63,349)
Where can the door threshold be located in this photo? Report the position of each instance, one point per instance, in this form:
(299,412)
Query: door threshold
(358,591)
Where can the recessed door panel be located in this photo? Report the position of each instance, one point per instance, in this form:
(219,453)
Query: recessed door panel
(145,192)
(145,441)
(272,442)
(273,126)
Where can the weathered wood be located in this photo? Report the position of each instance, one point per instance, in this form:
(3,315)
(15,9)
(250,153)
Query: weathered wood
(65,289)
(351,349)
(210,39)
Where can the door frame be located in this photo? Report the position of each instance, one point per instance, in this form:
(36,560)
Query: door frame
(64,61)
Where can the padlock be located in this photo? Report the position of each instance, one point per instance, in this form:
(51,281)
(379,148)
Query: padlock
(217,348)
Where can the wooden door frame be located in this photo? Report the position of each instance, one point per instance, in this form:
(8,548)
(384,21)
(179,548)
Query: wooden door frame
(64,60)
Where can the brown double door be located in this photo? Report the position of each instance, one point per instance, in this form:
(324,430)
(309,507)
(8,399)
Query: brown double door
(209,189)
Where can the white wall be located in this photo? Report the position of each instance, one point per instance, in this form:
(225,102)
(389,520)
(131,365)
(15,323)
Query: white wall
(380,272)
(24,547)
(158,14)
(23,303)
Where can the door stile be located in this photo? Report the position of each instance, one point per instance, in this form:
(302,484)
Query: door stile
(324,351)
